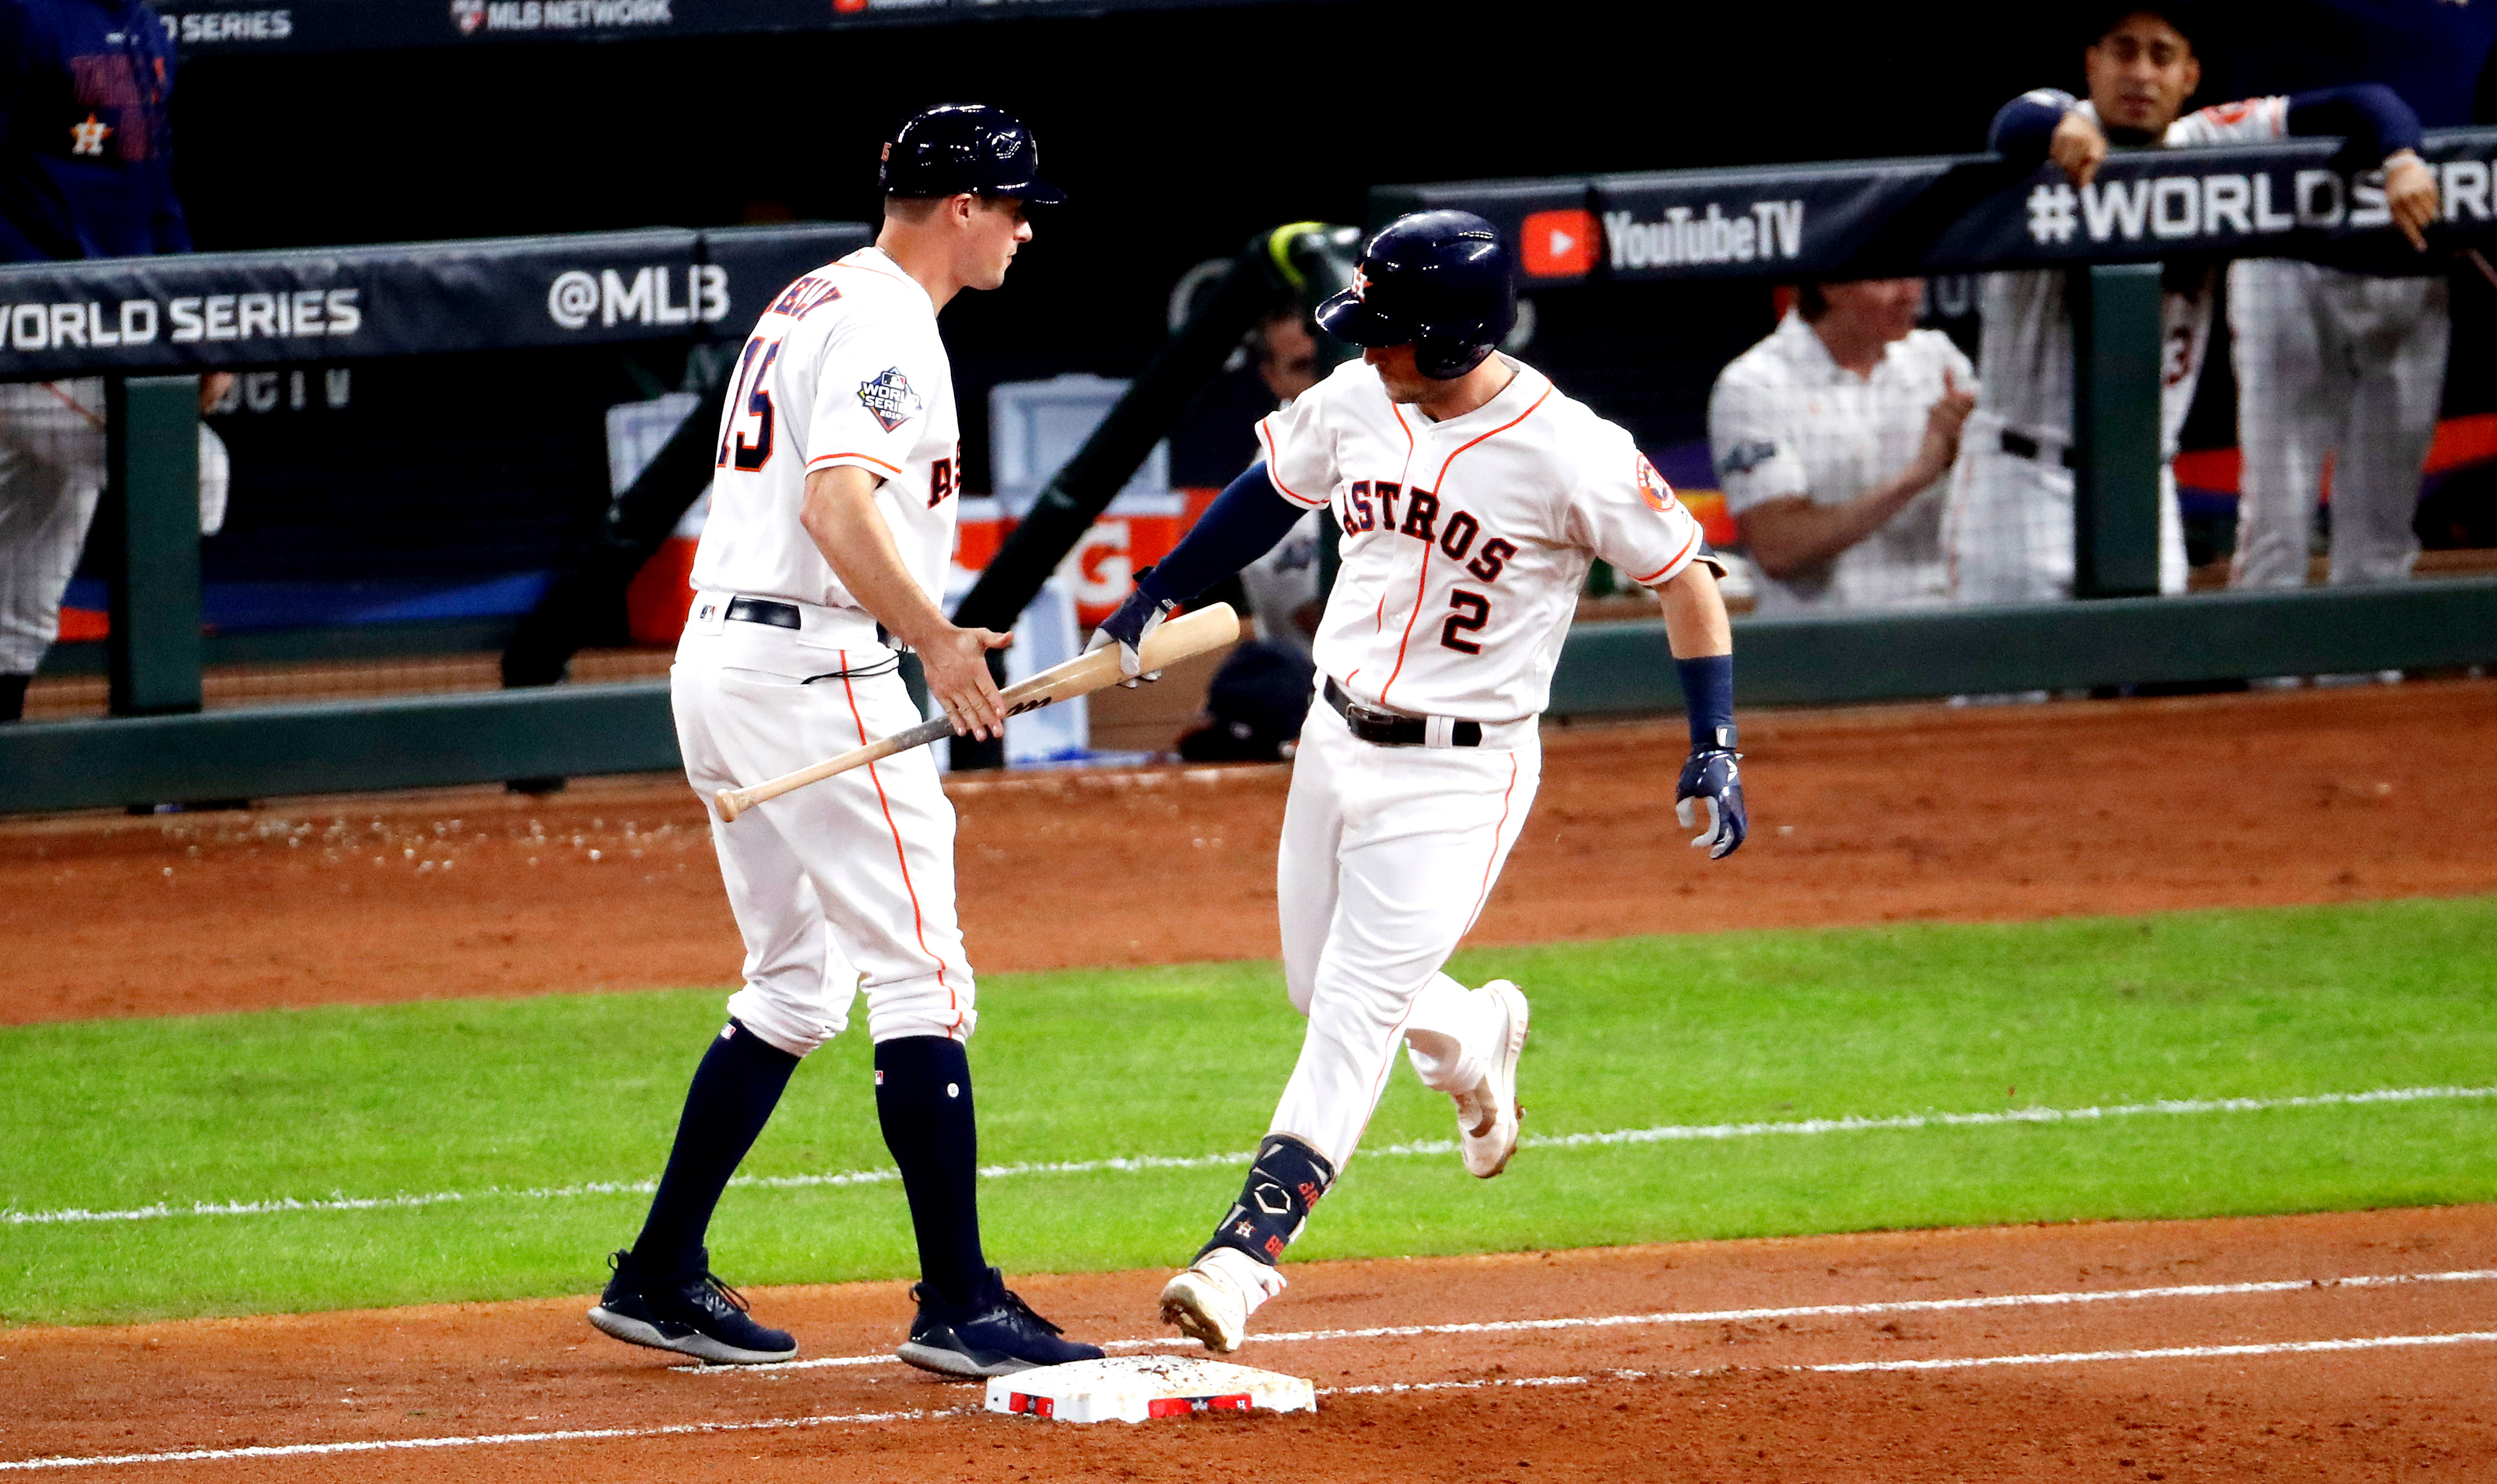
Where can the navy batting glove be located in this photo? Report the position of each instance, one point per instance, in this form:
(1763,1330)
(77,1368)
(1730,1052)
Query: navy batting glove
(1128,626)
(1711,778)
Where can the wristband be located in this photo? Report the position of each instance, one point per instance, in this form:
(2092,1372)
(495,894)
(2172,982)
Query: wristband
(1708,693)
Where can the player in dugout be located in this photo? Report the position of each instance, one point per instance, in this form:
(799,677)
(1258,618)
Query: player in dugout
(1832,440)
(86,171)
(2332,363)
(2007,527)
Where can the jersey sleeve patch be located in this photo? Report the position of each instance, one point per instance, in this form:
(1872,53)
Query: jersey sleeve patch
(1653,488)
(889,399)
(1744,458)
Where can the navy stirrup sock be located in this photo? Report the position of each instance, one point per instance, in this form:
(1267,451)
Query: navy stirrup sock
(734,1088)
(922,1100)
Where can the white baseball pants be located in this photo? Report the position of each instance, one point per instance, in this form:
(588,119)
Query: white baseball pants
(842,886)
(52,472)
(51,475)
(2008,528)
(1387,857)
(2338,364)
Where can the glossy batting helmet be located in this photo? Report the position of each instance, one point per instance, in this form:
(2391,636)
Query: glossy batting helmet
(956,147)
(1436,280)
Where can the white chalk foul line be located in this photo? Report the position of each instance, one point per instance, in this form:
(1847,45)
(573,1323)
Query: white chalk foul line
(1390,1388)
(1733,1315)
(2170,1352)
(479,1440)
(1669,1134)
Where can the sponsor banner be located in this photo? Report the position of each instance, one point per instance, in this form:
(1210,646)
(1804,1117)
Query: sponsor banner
(1550,222)
(170,313)
(2290,199)
(212,27)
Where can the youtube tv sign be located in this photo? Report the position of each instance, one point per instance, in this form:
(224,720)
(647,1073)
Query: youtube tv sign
(1559,244)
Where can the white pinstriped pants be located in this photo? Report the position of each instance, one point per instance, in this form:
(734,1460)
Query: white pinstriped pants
(843,886)
(1387,857)
(2338,364)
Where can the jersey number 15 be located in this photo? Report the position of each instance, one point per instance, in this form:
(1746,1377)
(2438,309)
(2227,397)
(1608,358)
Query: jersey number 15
(756,404)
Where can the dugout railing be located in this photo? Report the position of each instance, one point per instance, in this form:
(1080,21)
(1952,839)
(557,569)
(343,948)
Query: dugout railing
(151,326)
(1914,216)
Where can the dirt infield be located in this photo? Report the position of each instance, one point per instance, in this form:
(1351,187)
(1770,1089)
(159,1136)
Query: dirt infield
(1859,816)
(1640,1363)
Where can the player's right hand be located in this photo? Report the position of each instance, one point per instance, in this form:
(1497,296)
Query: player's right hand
(1127,626)
(957,667)
(2078,147)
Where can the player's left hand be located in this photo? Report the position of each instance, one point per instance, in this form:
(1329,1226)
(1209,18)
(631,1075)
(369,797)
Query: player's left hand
(2410,195)
(1711,778)
(1128,626)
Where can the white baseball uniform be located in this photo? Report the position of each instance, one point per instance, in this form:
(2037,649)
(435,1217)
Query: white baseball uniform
(848,884)
(1465,543)
(2342,364)
(2007,529)
(1785,419)
(51,475)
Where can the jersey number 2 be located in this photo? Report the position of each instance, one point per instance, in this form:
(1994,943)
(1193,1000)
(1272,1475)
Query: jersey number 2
(1472,611)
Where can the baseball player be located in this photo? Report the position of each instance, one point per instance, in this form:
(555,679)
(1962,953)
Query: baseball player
(831,524)
(86,171)
(1472,495)
(2008,528)
(2335,363)
(1832,439)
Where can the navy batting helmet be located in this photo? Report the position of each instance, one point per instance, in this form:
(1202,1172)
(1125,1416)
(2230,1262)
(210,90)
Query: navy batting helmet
(956,147)
(1436,280)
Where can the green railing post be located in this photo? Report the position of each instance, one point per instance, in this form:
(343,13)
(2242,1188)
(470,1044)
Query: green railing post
(152,491)
(2116,346)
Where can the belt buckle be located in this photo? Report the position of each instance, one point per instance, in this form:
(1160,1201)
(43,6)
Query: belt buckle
(1372,725)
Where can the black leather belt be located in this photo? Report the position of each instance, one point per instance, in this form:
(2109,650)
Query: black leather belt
(780,615)
(2018,445)
(1386,729)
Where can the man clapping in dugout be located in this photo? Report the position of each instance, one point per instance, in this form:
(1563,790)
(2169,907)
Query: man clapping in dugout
(1832,438)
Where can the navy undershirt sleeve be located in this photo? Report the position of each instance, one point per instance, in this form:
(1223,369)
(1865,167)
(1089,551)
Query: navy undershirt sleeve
(1247,519)
(2372,117)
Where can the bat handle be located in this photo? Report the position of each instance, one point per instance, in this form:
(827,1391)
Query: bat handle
(733,801)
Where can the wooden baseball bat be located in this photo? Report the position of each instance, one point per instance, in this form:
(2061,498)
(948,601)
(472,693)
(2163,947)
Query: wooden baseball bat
(1188,634)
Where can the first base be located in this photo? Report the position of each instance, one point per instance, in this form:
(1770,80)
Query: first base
(1137,1387)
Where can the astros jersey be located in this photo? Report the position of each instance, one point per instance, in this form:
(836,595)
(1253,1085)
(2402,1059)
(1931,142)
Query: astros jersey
(85,132)
(1466,543)
(2025,352)
(845,367)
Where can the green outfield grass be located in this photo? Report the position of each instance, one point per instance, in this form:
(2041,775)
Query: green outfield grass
(491,1098)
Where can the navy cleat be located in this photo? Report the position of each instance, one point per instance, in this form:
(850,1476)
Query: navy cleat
(997,1335)
(696,1315)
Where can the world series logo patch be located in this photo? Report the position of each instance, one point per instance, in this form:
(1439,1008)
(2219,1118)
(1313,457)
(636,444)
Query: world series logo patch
(888,397)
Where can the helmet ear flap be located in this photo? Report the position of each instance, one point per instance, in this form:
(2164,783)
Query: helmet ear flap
(1447,359)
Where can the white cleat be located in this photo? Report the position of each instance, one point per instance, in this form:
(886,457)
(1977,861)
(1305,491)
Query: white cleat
(1212,1301)
(1487,1115)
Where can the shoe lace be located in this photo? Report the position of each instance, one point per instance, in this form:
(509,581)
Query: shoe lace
(1015,1306)
(735,1299)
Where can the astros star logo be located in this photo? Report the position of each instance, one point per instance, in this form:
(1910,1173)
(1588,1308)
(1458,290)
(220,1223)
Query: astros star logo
(88,138)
